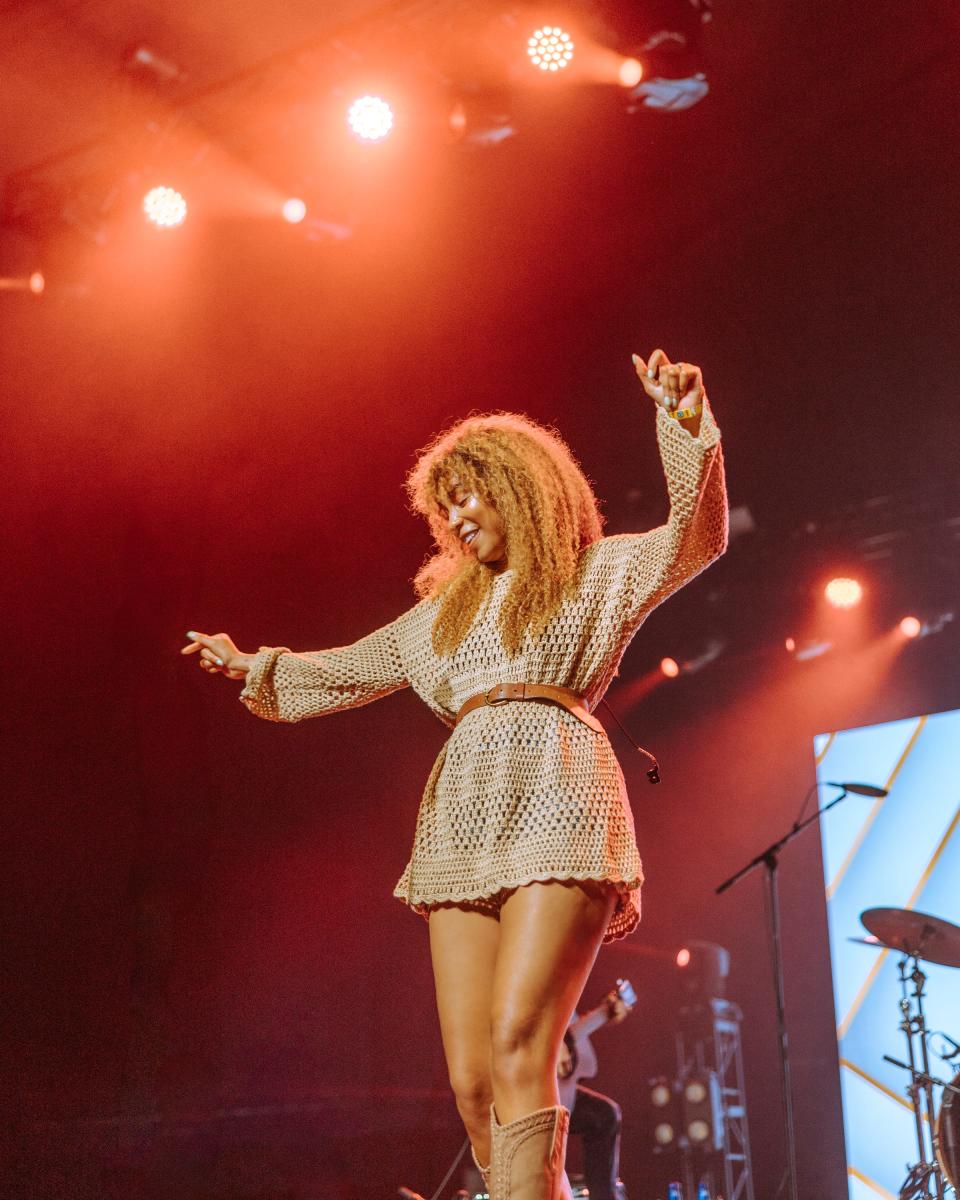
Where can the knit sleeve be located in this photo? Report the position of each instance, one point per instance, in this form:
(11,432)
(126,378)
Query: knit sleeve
(658,563)
(283,686)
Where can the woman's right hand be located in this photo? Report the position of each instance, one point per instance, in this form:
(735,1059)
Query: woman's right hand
(218,654)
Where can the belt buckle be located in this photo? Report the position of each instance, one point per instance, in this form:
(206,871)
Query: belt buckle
(497,702)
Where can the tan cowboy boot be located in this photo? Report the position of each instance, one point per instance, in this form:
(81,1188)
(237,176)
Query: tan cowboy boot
(484,1171)
(528,1155)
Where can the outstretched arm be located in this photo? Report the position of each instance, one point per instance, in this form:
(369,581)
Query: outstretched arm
(282,686)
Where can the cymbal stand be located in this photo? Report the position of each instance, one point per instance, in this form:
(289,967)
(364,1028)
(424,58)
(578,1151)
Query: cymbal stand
(920,1090)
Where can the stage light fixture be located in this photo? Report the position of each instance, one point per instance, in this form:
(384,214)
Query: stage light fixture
(143,62)
(668,95)
(704,968)
(790,644)
(34,283)
(631,72)
(294,210)
(843,592)
(914,627)
(665,1123)
(370,118)
(707,652)
(702,1112)
(480,118)
(669,667)
(165,207)
(812,648)
(550,48)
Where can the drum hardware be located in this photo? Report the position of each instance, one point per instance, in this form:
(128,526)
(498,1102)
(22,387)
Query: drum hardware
(919,937)
(946,1136)
(948,1133)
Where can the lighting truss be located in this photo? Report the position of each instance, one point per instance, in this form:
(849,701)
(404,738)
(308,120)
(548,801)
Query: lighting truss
(708,1048)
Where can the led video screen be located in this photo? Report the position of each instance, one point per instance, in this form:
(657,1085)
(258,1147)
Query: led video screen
(900,852)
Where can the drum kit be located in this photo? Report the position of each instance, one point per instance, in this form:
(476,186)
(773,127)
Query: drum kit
(919,937)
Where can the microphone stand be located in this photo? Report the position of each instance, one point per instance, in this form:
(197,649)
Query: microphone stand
(769,859)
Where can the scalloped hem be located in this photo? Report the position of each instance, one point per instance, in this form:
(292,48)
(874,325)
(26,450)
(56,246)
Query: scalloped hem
(623,921)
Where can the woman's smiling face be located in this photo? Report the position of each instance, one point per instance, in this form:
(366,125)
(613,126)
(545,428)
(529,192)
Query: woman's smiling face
(476,523)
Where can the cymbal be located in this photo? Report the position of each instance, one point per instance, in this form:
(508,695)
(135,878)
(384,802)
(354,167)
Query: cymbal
(917,934)
(873,942)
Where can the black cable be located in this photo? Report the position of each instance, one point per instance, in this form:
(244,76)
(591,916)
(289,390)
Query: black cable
(453,1166)
(654,773)
(806,800)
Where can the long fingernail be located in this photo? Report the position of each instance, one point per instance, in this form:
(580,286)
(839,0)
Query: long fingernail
(192,635)
(635,358)
(218,661)
(650,373)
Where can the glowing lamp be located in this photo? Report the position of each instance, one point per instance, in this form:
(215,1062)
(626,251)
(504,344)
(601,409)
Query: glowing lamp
(910,627)
(370,118)
(683,957)
(660,1093)
(790,644)
(294,210)
(630,73)
(695,1091)
(664,1133)
(550,48)
(165,207)
(702,1110)
(664,1114)
(843,592)
(669,667)
(36,283)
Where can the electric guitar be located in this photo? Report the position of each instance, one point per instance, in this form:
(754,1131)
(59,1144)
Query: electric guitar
(583,1060)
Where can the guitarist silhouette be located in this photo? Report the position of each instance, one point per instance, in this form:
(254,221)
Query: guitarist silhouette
(595,1117)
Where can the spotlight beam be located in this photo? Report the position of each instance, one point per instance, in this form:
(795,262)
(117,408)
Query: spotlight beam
(34,283)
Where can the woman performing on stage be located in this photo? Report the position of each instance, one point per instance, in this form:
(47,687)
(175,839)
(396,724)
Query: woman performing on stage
(524,858)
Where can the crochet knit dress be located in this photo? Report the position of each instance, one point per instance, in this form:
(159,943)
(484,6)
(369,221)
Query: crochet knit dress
(523,791)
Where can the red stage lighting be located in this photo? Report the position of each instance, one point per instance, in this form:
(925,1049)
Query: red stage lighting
(843,592)
(294,210)
(790,644)
(911,627)
(683,957)
(165,207)
(370,118)
(669,667)
(550,48)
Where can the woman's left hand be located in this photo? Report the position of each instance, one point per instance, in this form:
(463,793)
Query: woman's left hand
(674,386)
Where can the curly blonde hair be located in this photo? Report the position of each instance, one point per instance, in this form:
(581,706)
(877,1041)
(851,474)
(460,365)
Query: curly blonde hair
(528,474)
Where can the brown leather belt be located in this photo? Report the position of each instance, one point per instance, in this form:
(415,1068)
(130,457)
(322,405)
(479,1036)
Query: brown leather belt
(504,693)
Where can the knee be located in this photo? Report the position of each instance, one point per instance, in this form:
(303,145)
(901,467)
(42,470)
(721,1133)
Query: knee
(520,1048)
(472,1090)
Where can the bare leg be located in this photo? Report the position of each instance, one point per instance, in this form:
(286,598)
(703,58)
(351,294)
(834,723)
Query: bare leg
(463,947)
(549,937)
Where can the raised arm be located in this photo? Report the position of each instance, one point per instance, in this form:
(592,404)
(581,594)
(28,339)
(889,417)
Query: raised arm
(280,685)
(657,563)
